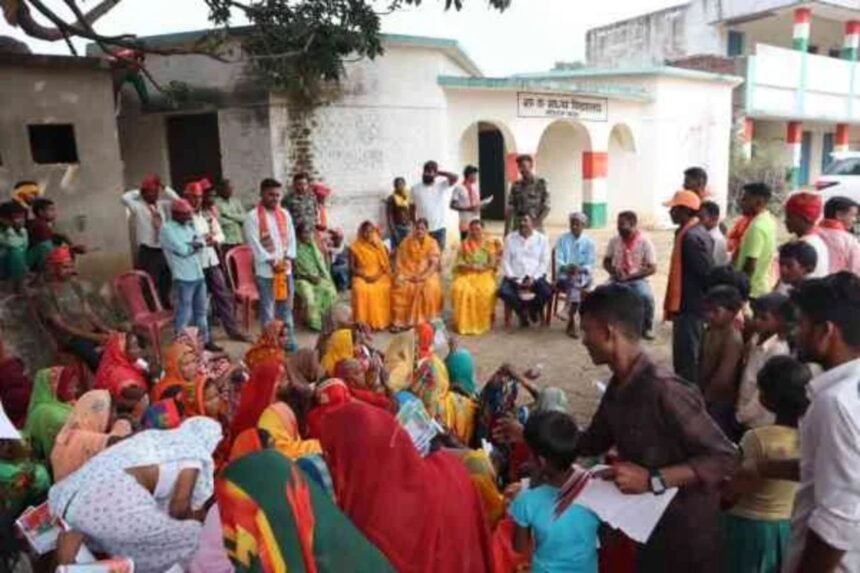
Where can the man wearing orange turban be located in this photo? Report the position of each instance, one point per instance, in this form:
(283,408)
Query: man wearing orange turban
(802,212)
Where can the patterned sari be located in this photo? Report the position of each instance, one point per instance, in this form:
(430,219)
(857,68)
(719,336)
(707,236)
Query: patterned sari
(414,299)
(276,520)
(319,298)
(473,293)
(371,301)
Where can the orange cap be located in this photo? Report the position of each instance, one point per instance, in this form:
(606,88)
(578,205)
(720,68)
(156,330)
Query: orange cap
(686,199)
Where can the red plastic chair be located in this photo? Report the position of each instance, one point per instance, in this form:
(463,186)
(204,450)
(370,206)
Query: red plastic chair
(129,288)
(240,268)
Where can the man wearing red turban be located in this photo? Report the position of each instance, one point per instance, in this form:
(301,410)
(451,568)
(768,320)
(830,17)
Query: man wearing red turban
(802,212)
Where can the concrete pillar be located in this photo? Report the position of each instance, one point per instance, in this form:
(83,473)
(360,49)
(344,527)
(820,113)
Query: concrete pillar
(595,168)
(841,142)
(794,140)
(747,133)
(852,40)
(802,19)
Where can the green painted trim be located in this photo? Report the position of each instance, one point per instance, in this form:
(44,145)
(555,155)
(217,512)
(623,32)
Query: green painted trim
(514,83)
(794,177)
(596,213)
(850,54)
(801,44)
(644,71)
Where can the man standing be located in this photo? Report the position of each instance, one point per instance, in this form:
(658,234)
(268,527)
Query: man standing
(574,267)
(525,260)
(207,228)
(302,203)
(528,196)
(182,246)
(692,260)
(840,213)
(631,259)
(757,245)
(431,200)
(826,521)
(802,211)
(709,215)
(231,216)
(467,200)
(149,212)
(270,233)
(664,437)
(696,180)
(398,213)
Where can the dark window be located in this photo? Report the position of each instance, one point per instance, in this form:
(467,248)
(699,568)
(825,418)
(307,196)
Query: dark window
(835,53)
(53,143)
(736,44)
(813,49)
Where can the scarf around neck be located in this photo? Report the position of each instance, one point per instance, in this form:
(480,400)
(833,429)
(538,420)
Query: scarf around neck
(672,302)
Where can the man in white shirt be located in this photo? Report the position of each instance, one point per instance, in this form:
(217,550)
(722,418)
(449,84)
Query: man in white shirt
(431,200)
(802,212)
(149,211)
(525,262)
(826,520)
(209,229)
(270,233)
(467,200)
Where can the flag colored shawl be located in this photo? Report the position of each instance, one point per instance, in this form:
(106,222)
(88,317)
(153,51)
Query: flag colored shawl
(163,415)
(276,520)
(47,413)
(672,302)
(424,514)
(116,372)
(265,234)
(257,395)
(279,421)
(85,433)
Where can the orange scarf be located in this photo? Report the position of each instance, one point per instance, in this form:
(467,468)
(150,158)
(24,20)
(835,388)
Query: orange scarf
(265,236)
(672,302)
(736,235)
(832,224)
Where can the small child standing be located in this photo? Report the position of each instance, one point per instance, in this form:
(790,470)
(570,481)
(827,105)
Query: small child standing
(773,318)
(721,357)
(563,543)
(797,261)
(758,526)
(13,244)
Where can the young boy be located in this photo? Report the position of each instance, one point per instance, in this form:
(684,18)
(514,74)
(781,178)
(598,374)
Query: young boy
(797,262)
(773,319)
(567,542)
(710,218)
(721,357)
(758,526)
(13,243)
(398,213)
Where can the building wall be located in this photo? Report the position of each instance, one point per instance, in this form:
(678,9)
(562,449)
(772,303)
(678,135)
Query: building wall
(778,30)
(87,192)
(246,151)
(639,41)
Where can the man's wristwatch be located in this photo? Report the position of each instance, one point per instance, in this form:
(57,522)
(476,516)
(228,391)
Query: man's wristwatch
(658,486)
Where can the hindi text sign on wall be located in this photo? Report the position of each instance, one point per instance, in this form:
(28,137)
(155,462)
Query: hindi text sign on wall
(557,105)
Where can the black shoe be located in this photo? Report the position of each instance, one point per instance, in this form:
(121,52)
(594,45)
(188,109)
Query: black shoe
(212,347)
(524,322)
(534,315)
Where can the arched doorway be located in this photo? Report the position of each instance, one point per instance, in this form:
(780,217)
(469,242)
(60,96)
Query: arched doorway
(621,191)
(559,161)
(485,145)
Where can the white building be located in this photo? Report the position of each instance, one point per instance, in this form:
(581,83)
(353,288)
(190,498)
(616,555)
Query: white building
(605,140)
(798,59)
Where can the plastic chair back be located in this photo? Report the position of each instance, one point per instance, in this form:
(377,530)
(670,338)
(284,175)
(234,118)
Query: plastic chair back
(240,267)
(133,288)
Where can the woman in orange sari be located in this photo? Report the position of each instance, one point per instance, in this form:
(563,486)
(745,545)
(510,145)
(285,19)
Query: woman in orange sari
(371,278)
(417,293)
(473,293)
(181,372)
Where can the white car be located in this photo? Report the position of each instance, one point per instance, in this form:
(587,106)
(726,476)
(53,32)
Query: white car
(842,177)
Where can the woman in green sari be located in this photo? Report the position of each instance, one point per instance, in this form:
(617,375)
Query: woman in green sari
(54,391)
(314,285)
(276,519)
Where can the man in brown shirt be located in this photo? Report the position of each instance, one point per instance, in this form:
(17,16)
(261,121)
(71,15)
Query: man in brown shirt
(663,435)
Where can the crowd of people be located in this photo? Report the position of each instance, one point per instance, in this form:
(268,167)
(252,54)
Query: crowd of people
(347,456)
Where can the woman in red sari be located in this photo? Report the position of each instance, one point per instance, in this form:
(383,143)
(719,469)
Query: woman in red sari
(118,369)
(258,393)
(328,396)
(424,514)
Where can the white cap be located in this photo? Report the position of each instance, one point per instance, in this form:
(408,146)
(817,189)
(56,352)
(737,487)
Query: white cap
(7,430)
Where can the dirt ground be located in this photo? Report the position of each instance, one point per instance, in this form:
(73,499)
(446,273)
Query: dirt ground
(564,362)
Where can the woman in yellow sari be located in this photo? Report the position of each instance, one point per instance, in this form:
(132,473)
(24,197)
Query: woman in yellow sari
(371,278)
(473,294)
(417,292)
(339,346)
(279,421)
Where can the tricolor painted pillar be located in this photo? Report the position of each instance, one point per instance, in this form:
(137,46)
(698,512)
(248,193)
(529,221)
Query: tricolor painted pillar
(802,19)
(793,139)
(851,48)
(841,142)
(747,133)
(595,167)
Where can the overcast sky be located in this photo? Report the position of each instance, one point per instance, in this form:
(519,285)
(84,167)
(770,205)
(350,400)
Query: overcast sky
(530,36)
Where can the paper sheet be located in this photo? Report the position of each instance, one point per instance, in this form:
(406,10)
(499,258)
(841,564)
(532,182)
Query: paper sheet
(636,515)
(7,430)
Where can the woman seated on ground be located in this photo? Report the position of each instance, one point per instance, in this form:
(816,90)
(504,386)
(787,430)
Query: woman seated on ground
(304,530)
(91,427)
(122,365)
(328,397)
(54,391)
(379,467)
(417,292)
(314,286)
(461,368)
(370,267)
(269,345)
(181,371)
(340,345)
(15,385)
(281,425)
(362,386)
(473,293)
(142,498)
(23,481)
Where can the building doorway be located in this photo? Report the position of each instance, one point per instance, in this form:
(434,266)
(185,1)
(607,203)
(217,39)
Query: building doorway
(484,144)
(194,148)
(559,161)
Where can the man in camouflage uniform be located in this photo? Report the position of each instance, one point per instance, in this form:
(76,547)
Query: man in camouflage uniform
(528,196)
(301,202)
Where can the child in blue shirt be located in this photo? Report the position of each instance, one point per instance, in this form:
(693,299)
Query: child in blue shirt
(568,542)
